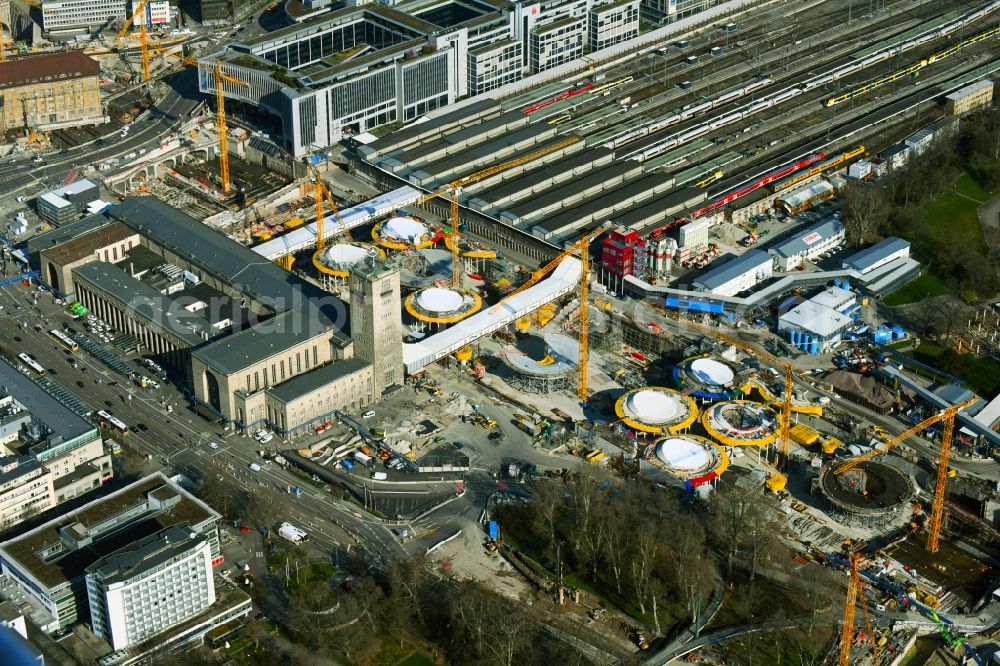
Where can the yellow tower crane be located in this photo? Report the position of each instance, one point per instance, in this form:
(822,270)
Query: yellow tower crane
(847,631)
(138,13)
(221,78)
(453,189)
(582,247)
(937,504)
(323,195)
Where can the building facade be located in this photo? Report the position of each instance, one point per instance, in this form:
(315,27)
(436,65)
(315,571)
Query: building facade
(494,65)
(969,98)
(51,91)
(64,204)
(376,321)
(89,15)
(150,585)
(612,24)
(49,563)
(368,64)
(48,454)
(552,44)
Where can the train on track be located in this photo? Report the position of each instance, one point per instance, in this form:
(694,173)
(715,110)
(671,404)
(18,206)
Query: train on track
(685,135)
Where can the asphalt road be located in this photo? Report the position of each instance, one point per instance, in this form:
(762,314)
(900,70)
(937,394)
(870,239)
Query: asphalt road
(179,440)
(169,111)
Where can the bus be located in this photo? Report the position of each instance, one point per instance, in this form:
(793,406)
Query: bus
(111,422)
(31,363)
(63,339)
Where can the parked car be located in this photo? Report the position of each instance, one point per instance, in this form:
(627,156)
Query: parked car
(368,414)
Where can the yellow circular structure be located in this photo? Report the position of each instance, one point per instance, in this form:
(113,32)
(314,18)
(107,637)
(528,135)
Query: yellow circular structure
(470,253)
(464,354)
(692,458)
(403,233)
(656,410)
(442,305)
(741,423)
(336,260)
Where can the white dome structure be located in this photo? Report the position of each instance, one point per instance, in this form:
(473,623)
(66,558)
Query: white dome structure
(712,372)
(656,410)
(439,300)
(343,254)
(652,406)
(691,458)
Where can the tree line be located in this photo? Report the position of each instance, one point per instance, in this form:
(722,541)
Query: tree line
(894,205)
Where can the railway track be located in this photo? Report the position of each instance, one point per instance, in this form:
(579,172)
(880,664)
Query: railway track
(833,58)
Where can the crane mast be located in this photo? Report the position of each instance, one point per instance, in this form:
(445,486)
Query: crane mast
(786,417)
(220,78)
(584,340)
(320,239)
(847,632)
(926,423)
(139,13)
(940,484)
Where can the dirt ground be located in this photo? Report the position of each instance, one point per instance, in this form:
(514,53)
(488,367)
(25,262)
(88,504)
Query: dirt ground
(466,558)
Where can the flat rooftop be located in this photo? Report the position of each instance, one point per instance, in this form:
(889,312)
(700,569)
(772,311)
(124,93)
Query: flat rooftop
(145,554)
(62,421)
(442,123)
(308,382)
(145,300)
(733,268)
(123,509)
(81,246)
(235,265)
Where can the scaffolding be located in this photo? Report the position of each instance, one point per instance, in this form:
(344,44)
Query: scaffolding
(535,384)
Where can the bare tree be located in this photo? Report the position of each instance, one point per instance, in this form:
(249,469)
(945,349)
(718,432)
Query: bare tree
(369,596)
(928,315)
(730,512)
(761,532)
(616,544)
(545,508)
(952,315)
(694,570)
(866,210)
(641,562)
(510,635)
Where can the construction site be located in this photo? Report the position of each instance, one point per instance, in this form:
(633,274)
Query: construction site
(492,214)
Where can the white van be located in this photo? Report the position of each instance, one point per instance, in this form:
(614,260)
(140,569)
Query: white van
(254,467)
(380,476)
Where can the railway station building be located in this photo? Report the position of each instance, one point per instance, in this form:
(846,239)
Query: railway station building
(262,348)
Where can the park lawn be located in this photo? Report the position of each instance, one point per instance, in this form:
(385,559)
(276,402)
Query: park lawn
(979,373)
(955,216)
(969,187)
(951,219)
(309,574)
(928,285)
